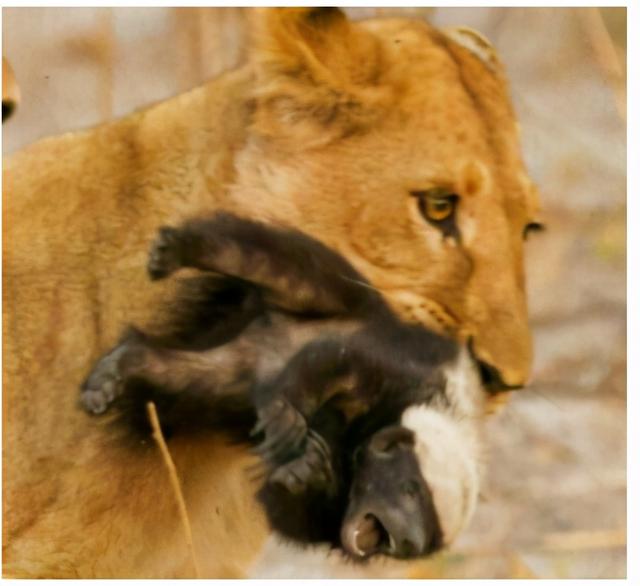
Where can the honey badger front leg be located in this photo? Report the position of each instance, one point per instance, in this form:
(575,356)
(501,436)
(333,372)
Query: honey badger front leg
(296,273)
(341,374)
(301,455)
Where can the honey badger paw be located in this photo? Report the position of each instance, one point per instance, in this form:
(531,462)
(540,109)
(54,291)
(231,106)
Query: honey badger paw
(104,384)
(285,430)
(313,470)
(165,256)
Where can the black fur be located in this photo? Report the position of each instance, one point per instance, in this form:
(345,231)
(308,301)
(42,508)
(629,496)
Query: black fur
(292,334)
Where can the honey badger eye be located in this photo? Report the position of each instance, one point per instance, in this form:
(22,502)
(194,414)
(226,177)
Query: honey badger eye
(412,488)
(438,206)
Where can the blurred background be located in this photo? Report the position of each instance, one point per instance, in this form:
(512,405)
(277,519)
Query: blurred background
(554,505)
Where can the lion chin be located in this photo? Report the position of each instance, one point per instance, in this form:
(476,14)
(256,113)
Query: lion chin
(386,139)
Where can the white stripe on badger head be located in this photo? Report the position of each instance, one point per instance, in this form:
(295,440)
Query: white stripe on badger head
(448,458)
(447,445)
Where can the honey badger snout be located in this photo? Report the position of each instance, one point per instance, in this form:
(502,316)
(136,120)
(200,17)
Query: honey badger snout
(382,531)
(390,507)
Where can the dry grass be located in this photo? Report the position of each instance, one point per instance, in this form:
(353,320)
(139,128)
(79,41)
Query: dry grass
(175,484)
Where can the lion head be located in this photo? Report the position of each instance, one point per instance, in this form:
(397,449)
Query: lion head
(397,144)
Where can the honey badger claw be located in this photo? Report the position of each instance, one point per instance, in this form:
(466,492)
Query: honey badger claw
(312,469)
(103,385)
(285,430)
(165,256)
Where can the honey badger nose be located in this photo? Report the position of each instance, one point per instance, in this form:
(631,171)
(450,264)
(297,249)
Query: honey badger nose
(366,535)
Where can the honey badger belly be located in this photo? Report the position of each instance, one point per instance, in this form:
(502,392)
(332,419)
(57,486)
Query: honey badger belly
(146,367)
(351,402)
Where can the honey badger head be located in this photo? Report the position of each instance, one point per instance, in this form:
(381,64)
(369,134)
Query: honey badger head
(391,509)
(415,483)
(413,490)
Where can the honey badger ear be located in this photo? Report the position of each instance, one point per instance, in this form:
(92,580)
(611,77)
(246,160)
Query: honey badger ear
(389,439)
(317,75)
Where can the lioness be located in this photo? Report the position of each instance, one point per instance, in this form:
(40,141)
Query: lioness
(335,127)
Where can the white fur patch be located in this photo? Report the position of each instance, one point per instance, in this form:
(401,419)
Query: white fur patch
(448,448)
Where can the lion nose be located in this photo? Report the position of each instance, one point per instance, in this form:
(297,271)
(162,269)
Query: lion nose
(491,377)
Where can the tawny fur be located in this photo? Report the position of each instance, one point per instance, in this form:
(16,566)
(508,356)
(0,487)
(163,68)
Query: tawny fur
(328,128)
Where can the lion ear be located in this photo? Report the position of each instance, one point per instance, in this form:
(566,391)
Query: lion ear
(475,42)
(317,74)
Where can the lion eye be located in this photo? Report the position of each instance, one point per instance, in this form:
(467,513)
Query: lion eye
(438,209)
(532,227)
(438,206)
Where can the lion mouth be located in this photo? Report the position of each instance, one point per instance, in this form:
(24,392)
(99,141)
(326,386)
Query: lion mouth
(490,376)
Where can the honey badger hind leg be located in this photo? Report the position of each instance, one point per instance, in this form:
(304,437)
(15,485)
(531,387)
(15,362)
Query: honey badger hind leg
(107,379)
(201,377)
(296,272)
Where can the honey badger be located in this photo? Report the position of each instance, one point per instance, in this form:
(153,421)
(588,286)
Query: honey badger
(370,439)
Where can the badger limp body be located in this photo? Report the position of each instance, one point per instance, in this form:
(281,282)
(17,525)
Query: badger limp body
(311,358)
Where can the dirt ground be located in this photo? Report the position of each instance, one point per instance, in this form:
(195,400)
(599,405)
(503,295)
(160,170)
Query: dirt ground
(554,505)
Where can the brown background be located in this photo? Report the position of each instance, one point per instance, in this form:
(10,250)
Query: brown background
(554,505)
